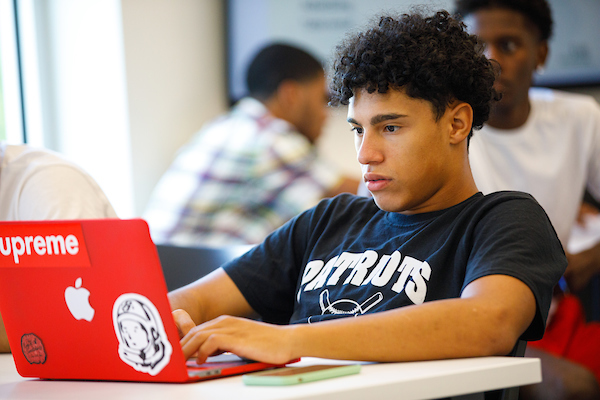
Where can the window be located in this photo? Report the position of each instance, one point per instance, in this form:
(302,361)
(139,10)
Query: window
(11,110)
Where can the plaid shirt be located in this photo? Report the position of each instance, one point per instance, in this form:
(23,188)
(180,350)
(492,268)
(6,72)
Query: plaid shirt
(241,177)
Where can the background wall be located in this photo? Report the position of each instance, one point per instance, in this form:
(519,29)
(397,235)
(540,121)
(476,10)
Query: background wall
(174,58)
(125,83)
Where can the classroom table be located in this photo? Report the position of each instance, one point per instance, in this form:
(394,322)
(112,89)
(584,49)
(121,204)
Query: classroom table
(408,380)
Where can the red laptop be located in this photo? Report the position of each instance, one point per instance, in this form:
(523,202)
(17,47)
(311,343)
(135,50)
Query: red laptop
(87,300)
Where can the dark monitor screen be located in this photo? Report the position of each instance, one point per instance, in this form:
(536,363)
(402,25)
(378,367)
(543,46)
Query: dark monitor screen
(574,57)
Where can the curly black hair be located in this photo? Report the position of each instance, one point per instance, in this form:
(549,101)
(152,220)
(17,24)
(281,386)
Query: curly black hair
(430,58)
(536,11)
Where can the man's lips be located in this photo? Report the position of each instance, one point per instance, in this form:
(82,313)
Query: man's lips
(375,182)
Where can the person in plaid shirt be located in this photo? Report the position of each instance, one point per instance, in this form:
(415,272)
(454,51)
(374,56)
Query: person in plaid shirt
(249,171)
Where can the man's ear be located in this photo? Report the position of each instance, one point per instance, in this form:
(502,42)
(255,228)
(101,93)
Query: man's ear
(461,115)
(284,102)
(542,54)
(287,93)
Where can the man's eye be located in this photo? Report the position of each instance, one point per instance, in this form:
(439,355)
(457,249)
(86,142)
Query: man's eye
(357,130)
(391,128)
(510,46)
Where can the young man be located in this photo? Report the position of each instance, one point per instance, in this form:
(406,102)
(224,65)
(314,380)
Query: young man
(429,267)
(546,143)
(249,171)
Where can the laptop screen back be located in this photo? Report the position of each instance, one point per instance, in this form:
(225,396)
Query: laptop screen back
(87,300)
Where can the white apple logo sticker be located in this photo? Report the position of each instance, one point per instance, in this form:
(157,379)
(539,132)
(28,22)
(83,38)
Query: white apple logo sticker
(78,301)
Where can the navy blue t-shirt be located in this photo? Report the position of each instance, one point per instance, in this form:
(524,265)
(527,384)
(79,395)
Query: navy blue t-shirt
(346,257)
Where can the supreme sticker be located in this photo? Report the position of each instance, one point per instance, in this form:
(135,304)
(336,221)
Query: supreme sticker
(43,245)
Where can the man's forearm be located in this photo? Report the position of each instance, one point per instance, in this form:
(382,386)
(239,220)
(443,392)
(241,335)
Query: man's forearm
(485,321)
(181,299)
(210,297)
(441,329)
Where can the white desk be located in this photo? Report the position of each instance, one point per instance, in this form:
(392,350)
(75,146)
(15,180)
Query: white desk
(414,380)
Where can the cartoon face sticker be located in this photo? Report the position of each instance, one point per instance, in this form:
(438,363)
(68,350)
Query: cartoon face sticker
(33,349)
(143,343)
(346,306)
(135,334)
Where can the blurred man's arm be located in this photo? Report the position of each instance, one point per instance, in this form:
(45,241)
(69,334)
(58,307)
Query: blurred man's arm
(582,267)
(585,264)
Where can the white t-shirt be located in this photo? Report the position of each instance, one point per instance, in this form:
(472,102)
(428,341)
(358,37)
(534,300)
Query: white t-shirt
(553,156)
(38,184)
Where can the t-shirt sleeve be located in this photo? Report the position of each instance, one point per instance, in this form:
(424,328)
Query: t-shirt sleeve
(268,274)
(516,238)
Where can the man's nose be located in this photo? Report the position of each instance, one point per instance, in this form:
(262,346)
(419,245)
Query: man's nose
(368,149)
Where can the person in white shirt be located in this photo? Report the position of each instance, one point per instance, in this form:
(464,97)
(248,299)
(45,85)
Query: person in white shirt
(547,143)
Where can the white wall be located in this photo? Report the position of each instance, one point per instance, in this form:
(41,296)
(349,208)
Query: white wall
(174,56)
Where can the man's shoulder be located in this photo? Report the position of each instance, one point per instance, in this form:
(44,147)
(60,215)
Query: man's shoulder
(40,167)
(506,196)
(479,205)
(562,100)
(511,202)
(21,156)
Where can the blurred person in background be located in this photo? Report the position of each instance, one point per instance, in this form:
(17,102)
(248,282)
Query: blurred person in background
(249,171)
(547,143)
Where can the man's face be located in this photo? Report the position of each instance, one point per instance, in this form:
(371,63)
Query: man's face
(135,334)
(404,152)
(312,108)
(514,43)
